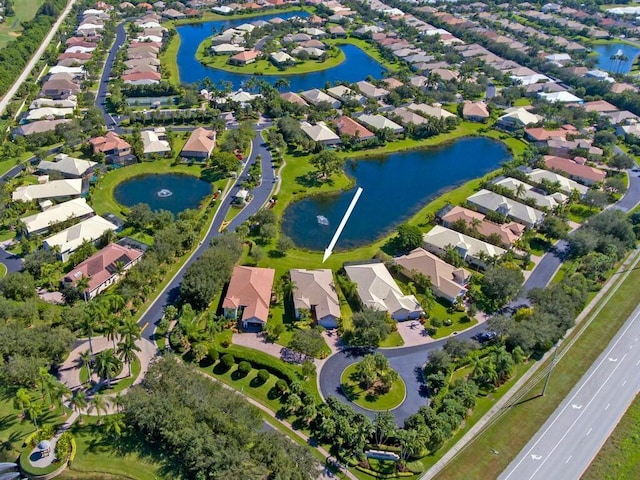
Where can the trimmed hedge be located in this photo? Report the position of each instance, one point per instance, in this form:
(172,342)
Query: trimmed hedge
(263,375)
(228,361)
(384,475)
(244,367)
(213,354)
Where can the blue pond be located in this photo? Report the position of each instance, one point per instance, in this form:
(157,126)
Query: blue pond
(616,65)
(395,187)
(173,192)
(356,66)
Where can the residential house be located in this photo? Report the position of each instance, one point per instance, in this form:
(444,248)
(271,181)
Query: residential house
(103,269)
(39,223)
(320,133)
(524,190)
(249,295)
(244,58)
(475,111)
(70,239)
(142,78)
(47,113)
(540,135)
(488,201)
(227,49)
(407,116)
(474,251)
(576,171)
(568,148)
(371,91)
(566,185)
(68,166)
(349,127)
(315,96)
(40,126)
(55,190)
(111,145)
(447,281)
(282,58)
(427,110)
(516,118)
(378,290)
(200,144)
(154,142)
(314,290)
(294,98)
(508,232)
(59,89)
(378,122)
(344,94)
(633,129)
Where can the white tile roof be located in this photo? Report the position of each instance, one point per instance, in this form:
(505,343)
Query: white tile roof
(58,213)
(52,189)
(70,239)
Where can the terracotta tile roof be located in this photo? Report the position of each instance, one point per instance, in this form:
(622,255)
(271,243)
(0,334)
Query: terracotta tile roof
(250,288)
(574,169)
(348,126)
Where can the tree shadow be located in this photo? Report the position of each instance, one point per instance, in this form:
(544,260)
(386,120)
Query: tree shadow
(309,180)
(238,375)
(275,253)
(211,175)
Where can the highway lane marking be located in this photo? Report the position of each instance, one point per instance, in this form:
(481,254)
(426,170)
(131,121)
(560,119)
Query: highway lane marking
(637,363)
(607,407)
(620,337)
(576,407)
(580,415)
(589,431)
(536,457)
(144,326)
(567,460)
(613,359)
(624,383)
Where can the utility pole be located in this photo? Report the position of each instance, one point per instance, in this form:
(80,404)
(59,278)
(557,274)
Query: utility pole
(553,363)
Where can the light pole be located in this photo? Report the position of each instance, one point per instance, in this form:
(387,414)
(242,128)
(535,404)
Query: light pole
(553,363)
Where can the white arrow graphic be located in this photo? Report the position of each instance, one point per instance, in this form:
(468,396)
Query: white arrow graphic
(576,407)
(343,222)
(536,457)
(613,359)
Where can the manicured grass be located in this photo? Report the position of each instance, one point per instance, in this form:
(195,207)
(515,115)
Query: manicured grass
(101,456)
(580,213)
(521,422)
(387,401)
(394,339)
(522,102)
(126,382)
(619,457)
(3,270)
(169,61)
(460,322)
(12,26)
(264,66)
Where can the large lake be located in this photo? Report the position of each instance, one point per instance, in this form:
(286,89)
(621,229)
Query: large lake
(605,62)
(356,66)
(395,188)
(170,191)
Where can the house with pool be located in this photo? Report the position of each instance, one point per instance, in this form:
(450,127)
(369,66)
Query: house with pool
(315,291)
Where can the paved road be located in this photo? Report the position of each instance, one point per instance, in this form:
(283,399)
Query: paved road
(260,195)
(101,97)
(632,196)
(36,57)
(569,440)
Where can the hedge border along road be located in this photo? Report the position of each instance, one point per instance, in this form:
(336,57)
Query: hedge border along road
(505,429)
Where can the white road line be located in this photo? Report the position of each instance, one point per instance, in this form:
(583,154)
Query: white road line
(607,407)
(567,460)
(622,334)
(579,416)
(637,363)
(624,383)
(589,431)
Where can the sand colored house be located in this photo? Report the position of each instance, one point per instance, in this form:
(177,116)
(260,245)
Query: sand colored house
(314,290)
(508,232)
(249,295)
(42,221)
(472,250)
(575,170)
(200,144)
(68,166)
(103,269)
(70,239)
(475,112)
(378,290)
(447,281)
(566,185)
(55,189)
(524,190)
(488,201)
(320,133)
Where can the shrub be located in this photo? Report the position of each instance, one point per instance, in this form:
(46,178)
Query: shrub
(263,375)
(415,467)
(436,322)
(213,354)
(281,386)
(448,322)
(244,368)
(228,361)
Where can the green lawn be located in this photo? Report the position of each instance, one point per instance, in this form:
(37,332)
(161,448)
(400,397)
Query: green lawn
(394,339)
(169,61)
(100,456)
(619,458)
(365,399)
(25,10)
(520,423)
(3,270)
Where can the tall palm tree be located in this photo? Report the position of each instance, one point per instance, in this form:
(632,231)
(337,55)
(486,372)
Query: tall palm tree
(79,401)
(520,190)
(22,400)
(88,326)
(107,365)
(82,285)
(127,349)
(85,360)
(34,410)
(111,329)
(114,425)
(116,402)
(99,405)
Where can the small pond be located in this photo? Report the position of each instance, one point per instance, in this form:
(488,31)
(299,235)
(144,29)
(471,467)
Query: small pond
(356,66)
(609,59)
(173,192)
(395,187)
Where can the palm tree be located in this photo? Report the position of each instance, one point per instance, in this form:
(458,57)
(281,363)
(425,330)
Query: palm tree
(78,401)
(114,424)
(85,360)
(520,190)
(116,402)
(22,400)
(281,83)
(111,329)
(130,330)
(83,285)
(107,365)
(127,349)
(99,404)
(34,410)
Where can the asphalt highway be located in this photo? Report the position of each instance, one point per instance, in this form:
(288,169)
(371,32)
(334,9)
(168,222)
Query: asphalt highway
(570,439)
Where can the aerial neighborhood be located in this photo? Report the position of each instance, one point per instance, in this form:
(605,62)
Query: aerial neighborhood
(324,239)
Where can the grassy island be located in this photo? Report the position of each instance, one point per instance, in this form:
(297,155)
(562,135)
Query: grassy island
(371,398)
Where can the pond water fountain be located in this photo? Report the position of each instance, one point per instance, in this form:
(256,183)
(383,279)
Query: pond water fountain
(164,193)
